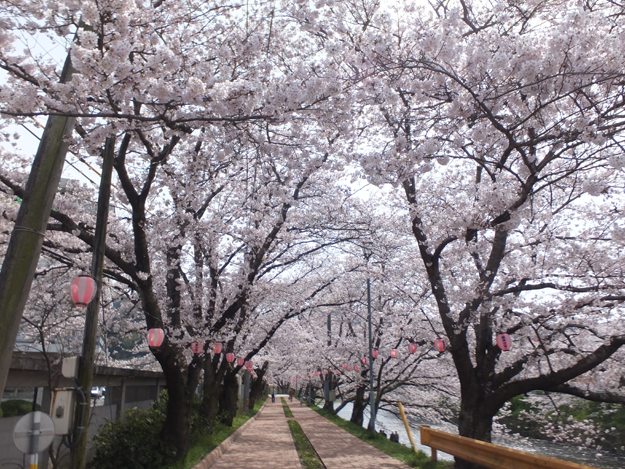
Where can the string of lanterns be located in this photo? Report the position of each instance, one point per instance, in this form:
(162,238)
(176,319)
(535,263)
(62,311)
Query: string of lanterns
(84,289)
(156,336)
(504,342)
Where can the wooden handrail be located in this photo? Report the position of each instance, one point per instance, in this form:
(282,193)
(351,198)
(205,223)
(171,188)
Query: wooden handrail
(487,454)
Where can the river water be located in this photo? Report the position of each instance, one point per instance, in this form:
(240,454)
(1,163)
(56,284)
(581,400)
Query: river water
(587,456)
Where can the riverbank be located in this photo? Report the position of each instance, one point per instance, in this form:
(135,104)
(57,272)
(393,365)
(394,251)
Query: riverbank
(388,422)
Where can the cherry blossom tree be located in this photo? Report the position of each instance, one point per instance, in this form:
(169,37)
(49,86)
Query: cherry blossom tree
(500,125)
(222,118)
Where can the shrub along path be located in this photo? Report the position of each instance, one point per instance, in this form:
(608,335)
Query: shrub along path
(265,444)
(337,448)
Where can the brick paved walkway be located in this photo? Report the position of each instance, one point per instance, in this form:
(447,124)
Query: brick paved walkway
(337,448)
(266,444)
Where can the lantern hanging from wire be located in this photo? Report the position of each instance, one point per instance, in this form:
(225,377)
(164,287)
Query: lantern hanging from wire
(356,368)
(84,289)
(412,348)
(349,368)
(197,347)
(374,353)
(249,365)
(230,357)
(156,337)
(394,353)
(504,342)
(344,366)
(217,348)
(364,360)
(240,361)
(440,345)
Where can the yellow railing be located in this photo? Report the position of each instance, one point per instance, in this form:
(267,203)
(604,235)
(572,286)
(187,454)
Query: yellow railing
(487,454)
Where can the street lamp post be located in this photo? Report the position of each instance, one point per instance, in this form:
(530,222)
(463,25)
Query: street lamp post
(371,390)
(326,382)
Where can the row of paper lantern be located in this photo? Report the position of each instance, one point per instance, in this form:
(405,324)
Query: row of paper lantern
(84,289)
(504,342)
(156,336)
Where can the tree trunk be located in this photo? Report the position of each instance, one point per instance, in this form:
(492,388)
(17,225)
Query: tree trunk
(359,406)
(329,405)
(211,393)
(177,429)
(229,398)
(257,386)
(474,422)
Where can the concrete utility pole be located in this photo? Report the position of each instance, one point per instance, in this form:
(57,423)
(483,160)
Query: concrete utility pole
(22,257)
(87,360)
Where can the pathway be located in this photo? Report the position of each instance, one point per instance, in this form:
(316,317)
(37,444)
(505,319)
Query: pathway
(337,448)
(266,444)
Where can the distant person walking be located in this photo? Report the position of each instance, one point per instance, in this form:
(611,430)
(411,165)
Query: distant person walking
(273,395)
(291,394)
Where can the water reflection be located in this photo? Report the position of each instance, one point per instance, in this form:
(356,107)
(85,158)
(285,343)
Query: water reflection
(390,423)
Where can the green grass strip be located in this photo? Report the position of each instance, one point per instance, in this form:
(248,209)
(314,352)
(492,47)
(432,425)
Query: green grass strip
(287,410)
(307,454)
(395,450)
(206,443)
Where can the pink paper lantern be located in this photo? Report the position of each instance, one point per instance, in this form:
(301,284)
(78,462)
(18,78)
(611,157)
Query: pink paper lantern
(156,337)
(84,289)
(412,348)
(344,366)
(504,342)
(240,361)
(440,345)
(364,360)
(230,357)
(218,348)
(349,368)
(394,353)
(196,347)
(374,353)
(356,368)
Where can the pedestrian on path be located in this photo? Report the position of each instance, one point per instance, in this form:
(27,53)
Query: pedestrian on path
(273,395)
(291,394)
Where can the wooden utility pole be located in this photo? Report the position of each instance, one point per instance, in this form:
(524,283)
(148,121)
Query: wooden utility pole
(22,256)
(87,360)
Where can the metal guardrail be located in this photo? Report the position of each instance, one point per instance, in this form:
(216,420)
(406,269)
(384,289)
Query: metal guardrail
(489,455)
